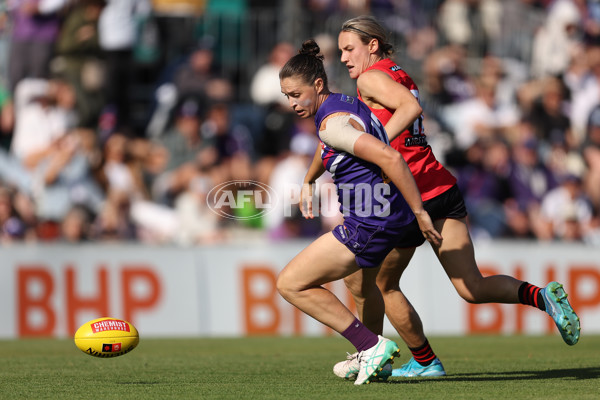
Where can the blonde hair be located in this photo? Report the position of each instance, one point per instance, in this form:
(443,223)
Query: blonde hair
(367,28)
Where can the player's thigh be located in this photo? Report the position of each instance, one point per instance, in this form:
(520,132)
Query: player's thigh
(393,267)
(456,253)
(324,260)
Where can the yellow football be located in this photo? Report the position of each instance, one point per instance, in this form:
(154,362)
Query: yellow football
(106,337)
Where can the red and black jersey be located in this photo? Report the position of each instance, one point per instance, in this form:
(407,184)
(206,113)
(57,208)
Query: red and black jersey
(430,175)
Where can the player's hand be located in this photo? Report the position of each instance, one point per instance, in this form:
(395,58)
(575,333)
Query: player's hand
(428,230)
(306,201)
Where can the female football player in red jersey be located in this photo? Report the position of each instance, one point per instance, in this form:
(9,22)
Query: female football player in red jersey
(394,98)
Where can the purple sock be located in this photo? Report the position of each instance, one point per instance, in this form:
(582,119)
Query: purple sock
(360,336)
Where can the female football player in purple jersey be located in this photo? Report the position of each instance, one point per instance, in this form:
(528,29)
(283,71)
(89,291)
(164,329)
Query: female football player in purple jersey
(356,151)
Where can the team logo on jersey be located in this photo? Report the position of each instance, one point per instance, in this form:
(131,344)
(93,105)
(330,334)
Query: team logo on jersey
(395,68)
(347,99)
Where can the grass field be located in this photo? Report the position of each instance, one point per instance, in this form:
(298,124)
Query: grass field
(479,367)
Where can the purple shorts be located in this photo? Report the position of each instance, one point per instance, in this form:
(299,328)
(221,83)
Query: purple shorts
(371,243)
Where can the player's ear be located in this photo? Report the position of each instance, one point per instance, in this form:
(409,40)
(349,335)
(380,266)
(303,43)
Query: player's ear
(373,46)
(319,85)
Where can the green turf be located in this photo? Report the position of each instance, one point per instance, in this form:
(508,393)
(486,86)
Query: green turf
(481,367)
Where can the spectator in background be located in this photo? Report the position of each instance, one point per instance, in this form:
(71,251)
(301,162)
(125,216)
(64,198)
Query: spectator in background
(113,223)
(117,35)
(197,76)
(483,182)
(519,21)
(119,171)
(264,88)
(529,180)
(321,10)
(586,95)
(481,118)
(79,58)
(35,26)
(66,178)
(198,224)
(461,20)
(232,142)
(194,77)
(548,115)
(44,112)
(566,212)
(505,77)
(556,42)
(13,227)
(591,154)
(183,144)
(75,226)
(183,139)
(446,79)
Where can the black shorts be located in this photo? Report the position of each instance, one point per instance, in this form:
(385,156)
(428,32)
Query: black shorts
(449,204)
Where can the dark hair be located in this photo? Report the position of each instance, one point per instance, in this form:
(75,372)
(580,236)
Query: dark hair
(367,28)
(307,64)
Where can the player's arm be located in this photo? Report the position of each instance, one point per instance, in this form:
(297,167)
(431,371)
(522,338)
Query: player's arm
(315,170)
(346,134)
(378,88)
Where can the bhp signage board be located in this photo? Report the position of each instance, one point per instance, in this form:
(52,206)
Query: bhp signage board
(230,290)
(52,290)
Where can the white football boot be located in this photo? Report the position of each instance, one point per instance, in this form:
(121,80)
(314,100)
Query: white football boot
(372,361)
(348,369)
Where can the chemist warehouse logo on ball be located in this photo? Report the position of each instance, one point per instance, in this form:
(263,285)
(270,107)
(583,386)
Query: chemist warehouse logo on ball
(242,199)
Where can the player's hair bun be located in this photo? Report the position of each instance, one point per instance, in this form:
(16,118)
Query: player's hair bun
(310,47)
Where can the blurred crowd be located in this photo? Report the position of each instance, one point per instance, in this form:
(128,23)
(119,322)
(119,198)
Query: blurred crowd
(117,117)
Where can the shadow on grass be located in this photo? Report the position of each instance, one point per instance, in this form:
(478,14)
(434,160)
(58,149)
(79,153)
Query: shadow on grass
(573,373)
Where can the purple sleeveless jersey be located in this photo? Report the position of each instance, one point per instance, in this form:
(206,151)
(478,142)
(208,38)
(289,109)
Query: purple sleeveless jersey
(362,192)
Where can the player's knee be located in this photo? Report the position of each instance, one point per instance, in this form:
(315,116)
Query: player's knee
(284,285)
(469,295)
(473,290)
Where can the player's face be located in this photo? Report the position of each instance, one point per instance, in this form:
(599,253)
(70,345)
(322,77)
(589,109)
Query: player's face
(302,97)
(355,54)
